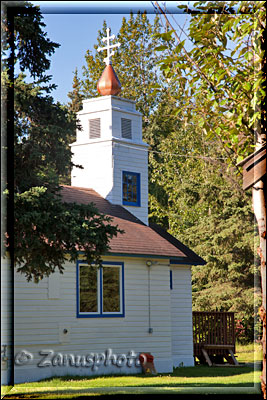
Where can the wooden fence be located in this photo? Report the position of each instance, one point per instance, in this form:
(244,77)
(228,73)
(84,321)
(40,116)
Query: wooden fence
(213,332)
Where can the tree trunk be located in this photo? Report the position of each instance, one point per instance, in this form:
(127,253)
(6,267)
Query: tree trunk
(258,200)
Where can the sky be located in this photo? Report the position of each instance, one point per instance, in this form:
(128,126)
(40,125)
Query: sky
(74,25)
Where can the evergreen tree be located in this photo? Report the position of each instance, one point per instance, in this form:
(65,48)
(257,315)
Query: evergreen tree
(135,64)
(45,231)
(201,203)
(75,96)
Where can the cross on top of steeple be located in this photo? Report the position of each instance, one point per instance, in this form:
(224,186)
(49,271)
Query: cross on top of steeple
(108,47)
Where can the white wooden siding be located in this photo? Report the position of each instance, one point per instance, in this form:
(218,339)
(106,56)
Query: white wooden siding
(132,160)
(181,316)
(105,158)
(54,286)
(40,320)
(6,319)
(96,159)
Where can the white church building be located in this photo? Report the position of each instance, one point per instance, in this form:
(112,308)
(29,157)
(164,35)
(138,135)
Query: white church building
(98,320)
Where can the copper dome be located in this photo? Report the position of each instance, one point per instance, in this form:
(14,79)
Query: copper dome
(109,83)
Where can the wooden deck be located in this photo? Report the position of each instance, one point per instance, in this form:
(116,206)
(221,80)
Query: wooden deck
(214,337)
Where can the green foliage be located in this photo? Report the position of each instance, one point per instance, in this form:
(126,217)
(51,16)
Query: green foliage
(75,96)
(134,63)
(43,131)
(198,198)
(22,23)
(46,231)
(196,187)
(49,232)
(224,90)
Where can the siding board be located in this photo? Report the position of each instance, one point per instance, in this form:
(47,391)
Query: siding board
(181,314)
(38,319)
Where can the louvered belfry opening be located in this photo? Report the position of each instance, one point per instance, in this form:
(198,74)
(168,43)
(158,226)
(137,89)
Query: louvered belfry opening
(94,128)
(126,128)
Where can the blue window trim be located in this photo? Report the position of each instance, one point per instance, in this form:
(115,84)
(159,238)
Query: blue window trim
(170,279)
(183,261)
(138,190)
(101,314)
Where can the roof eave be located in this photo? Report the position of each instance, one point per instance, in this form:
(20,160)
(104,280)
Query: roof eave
(191,259)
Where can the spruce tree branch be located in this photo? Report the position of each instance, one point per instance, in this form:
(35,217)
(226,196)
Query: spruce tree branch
(223,168)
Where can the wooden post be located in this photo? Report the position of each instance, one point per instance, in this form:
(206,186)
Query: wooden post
(254,175)
(260,213)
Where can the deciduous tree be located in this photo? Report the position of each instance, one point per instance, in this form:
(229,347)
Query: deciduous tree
(223,78)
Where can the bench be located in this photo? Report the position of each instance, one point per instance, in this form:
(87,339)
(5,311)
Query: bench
(230,357)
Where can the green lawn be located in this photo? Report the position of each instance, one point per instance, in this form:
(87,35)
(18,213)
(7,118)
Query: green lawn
(200,379)
(249,353)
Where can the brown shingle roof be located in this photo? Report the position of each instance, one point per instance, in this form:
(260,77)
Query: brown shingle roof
(137,239)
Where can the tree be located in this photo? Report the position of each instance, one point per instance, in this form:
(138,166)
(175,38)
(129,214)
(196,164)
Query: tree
(134,63)
(24,41)
(201,205)
(75,96)
(223,80)
(198,199)
(46,231)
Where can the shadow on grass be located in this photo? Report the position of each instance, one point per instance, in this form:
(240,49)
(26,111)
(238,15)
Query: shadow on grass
(206,371)
(68,387)
(183,372)
(137,391)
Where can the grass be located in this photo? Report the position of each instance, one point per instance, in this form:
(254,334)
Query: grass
(249,353)
(200,379)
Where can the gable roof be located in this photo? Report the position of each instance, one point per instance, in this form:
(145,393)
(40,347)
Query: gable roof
(138,239)
(191,257)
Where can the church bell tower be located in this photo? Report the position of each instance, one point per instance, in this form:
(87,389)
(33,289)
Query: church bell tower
(109,145)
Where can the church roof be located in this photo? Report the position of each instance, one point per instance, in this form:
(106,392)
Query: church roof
(138,239)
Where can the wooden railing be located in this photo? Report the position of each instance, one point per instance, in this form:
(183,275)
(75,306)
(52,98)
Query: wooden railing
(214,331)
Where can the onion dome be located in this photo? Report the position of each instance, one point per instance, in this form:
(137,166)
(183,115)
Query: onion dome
(109,83)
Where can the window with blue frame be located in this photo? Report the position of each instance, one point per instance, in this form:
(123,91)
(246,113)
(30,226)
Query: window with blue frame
(100,290)
(131,195)
(171,279)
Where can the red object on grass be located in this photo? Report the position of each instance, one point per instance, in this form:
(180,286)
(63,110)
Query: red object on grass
(146,357)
